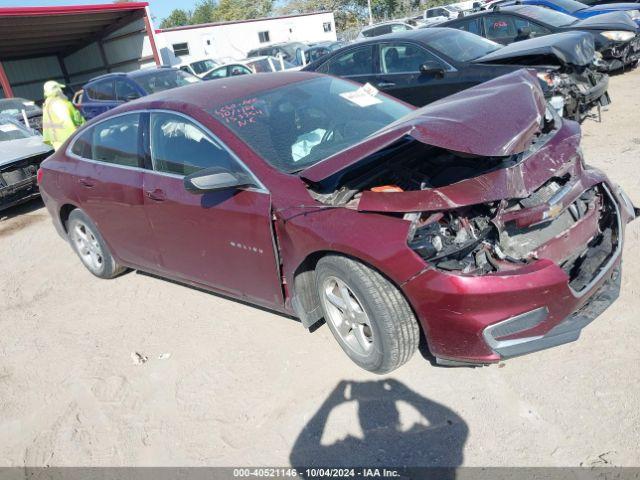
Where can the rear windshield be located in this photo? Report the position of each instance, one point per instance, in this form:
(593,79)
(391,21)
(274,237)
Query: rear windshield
(11,131)
(461,46)
(303,123)
(203,66)
(545,15)
(160,80)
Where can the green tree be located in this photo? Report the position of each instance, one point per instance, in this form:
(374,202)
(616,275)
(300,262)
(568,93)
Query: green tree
(205,12)
(177,18)
(228,10)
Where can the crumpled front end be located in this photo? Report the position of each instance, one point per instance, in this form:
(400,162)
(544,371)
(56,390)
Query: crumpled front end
(619,55)
(520,243)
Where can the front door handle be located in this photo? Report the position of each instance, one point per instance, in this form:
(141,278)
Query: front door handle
(86,182)
(386,84)
(156,194)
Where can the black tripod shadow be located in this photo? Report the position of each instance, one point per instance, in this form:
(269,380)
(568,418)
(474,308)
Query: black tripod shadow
(434,437)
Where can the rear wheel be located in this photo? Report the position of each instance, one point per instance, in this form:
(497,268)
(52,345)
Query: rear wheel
(90,246)
(367,314)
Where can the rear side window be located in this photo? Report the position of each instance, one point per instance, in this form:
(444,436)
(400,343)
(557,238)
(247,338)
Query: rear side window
(180,147)
(499,27)
(115,140)
(471,26)
(358,61)
(101,90)
(125,91)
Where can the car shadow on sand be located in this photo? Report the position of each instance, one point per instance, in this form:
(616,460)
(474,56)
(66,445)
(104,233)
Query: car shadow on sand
(434,437)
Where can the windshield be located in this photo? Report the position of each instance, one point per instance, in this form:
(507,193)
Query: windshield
(298,125)
(13,106)
(203,66)
(461,46)
(550,17)
(11,131)
(570,6)
(160,80)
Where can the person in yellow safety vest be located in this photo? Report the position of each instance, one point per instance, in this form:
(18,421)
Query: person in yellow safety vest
(59,117)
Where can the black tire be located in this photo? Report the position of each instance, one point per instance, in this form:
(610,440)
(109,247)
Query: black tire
(105,268)
(395,334)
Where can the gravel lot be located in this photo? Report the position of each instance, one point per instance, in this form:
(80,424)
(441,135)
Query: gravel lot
(228,384)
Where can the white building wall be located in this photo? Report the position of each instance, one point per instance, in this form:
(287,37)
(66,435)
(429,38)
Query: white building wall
(234,40)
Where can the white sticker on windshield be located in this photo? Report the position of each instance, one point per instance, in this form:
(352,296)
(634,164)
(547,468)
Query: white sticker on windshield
(7,127)
(365,96)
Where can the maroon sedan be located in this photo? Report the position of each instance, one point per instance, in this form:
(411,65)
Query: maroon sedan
(472,221)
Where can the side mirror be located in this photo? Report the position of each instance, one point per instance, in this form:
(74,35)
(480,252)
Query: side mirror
(432,69)
(216,179)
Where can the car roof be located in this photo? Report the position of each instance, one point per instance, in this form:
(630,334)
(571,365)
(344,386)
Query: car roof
(418,35)
(209,95)
(133,74)
(507,8)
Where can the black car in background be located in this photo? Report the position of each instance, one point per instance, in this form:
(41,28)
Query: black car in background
(17,108)
(614,34)
(424,65)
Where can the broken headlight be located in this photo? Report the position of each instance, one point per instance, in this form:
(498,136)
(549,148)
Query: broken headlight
(618,35)
(461,241)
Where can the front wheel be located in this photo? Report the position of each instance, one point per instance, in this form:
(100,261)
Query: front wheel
(90,246)
(367,314)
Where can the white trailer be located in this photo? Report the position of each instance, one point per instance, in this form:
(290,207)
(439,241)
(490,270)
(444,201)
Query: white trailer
(233,40)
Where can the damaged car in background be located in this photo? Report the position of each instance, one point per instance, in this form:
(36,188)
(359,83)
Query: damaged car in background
(615,35)
(21,152)
(424,65)
(319,198)
(23,110)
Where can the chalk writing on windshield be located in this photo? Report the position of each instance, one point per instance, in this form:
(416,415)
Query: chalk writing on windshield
(241,113)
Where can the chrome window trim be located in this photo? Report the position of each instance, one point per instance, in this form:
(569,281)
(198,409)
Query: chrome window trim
(261,188)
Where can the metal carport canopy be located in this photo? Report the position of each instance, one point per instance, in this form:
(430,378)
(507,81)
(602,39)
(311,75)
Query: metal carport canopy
(31,32)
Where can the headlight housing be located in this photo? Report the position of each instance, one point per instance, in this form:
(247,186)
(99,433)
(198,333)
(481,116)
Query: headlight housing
(619,35)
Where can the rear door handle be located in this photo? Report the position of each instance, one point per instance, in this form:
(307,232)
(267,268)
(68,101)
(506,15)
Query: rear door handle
(86,182)
(156,194)
(386,84)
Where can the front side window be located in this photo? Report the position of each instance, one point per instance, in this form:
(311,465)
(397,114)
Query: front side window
(297,125)
(102,90)
(535,28)
(125,91)
(115,140)
(404,58)
(358,61)
(180,147)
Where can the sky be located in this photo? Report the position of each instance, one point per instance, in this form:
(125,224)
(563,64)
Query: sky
(159,8)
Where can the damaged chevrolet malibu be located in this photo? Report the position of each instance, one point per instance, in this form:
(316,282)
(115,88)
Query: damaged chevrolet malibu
(473,222)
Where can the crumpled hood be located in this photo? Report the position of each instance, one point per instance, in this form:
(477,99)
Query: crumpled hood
(570,48)
(607,21)
(497,118)
(14,150)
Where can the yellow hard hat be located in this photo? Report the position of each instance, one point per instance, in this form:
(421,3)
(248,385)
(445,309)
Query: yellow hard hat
(52,88)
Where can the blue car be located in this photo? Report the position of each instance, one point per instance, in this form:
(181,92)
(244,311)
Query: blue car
(108,91)
(581,10)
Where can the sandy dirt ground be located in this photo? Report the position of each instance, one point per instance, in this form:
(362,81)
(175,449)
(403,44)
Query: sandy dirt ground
(226,384)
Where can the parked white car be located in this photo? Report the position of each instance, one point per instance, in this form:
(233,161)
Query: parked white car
(199,67)
(436,15)
(384,28)
(267,64)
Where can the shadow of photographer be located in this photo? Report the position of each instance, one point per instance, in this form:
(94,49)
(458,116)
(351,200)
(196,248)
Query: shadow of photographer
(435,437)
